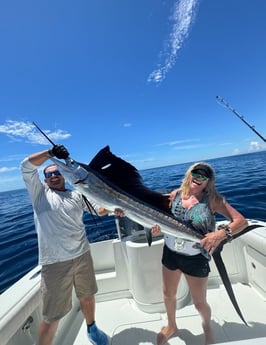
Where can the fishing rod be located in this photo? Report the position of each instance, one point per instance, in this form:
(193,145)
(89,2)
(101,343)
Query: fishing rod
(68,159)
(46,136)
(227,105)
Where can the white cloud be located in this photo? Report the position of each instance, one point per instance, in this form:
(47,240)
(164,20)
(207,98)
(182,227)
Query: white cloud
(236,151)
(191,147)
(183,16)
(127,124)
(176,142)
(7,169)
(11,158)
(18,130)
(254,146)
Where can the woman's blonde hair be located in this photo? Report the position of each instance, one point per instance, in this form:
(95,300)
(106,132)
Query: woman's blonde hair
(210,187)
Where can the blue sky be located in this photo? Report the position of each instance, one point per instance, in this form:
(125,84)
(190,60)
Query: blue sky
(140,76)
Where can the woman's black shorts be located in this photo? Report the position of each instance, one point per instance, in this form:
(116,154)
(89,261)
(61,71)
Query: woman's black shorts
(195,265)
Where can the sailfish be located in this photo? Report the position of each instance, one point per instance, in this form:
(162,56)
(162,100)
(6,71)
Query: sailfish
(113,183)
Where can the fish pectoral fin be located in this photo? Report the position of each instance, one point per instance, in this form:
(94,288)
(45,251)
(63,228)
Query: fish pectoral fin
(148,236)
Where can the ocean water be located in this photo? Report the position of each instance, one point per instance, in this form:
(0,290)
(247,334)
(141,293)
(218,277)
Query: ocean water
(241,179)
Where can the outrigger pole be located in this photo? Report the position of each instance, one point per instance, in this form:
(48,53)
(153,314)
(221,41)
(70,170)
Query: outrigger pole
(222,101)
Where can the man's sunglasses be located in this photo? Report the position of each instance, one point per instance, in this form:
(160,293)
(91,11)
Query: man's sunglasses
(51,173)
(202,177)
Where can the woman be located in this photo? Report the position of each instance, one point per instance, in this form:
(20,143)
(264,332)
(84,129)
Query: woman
(195,202)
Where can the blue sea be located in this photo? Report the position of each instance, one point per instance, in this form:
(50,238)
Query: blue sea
(241,179)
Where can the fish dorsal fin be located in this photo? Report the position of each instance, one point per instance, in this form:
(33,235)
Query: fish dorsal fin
(114,168)
(127,177)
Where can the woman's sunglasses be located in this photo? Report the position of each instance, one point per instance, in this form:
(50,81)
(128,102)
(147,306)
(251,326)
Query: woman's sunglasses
(51,173)
(202,177)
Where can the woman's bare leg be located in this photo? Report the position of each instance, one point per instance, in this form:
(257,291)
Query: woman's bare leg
(198,290)
(170,283)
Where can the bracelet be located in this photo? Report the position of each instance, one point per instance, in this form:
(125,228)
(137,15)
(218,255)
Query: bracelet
(228,231)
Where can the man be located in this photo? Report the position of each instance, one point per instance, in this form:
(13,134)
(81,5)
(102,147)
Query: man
(64,250)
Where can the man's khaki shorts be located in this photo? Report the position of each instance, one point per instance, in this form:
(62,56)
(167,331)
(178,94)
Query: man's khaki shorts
(57,283)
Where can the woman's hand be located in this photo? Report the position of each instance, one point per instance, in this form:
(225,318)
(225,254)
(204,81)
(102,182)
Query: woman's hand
(156,230)
(212,240)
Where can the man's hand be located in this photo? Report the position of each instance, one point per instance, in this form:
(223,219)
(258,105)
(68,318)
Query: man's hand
(59,151)
(119,213)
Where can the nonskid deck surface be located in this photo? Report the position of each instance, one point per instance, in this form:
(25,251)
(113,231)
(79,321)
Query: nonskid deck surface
(125,324)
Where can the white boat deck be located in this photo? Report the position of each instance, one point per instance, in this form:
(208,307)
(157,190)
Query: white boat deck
(129,303)
(125,324)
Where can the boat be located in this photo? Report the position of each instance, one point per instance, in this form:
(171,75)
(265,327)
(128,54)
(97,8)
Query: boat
(129,303)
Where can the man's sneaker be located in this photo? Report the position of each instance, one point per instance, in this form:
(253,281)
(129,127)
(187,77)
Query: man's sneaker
(96,336)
